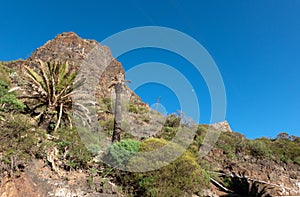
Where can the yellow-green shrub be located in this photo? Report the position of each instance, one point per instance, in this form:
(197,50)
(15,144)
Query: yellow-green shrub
(181,177)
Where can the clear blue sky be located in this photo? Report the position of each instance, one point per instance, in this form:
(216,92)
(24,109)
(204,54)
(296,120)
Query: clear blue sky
(256,45)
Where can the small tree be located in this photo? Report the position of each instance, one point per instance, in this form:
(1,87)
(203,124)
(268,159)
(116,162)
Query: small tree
(283,136)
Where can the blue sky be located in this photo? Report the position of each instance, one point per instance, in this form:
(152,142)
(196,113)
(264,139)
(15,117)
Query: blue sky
(255,44)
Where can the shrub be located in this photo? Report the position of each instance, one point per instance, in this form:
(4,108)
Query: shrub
(133,108)
(8,100)
(4,72)
(94,149)
(173,121)
(78,155)
(231,143)
(198,139)
(297,160)
(72,150)
(168,133)
(170,128)
(283,136)
(119,153)
(258,148)
(18,141)
(181,177)
(202,129)
(283,148)
(137,109)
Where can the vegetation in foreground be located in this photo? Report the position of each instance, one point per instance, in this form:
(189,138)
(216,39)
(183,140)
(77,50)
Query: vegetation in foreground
(23,138)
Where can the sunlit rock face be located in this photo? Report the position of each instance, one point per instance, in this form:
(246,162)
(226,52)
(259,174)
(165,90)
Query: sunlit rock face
(222,126)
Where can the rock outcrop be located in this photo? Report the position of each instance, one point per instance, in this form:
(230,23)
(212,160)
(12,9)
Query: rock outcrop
(222,126)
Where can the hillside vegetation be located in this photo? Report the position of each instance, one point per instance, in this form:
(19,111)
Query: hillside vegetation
(24,139)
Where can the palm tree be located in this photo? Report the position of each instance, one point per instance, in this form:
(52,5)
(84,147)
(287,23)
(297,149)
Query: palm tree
(48,90)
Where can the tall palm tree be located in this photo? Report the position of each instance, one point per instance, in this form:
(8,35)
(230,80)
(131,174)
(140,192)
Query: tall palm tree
(48,90)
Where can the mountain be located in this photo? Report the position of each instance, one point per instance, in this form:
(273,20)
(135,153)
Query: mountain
(36,161)
(69,47)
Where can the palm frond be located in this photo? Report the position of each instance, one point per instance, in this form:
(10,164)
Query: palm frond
(45,77)
(63,71)
(36,79)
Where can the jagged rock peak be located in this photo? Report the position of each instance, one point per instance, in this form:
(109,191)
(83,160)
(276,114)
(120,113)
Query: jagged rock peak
(67,46)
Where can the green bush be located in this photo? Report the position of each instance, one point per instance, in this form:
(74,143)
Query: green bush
(133,108)
(170,128)
(231,143)
(94,149)
(297,160)
(180,178)
(283,148)
(202,129)
(258,148)
(198,139)
(168,133)
(137,109)
(8,100)
(173,121)
(19,139)
(119,153)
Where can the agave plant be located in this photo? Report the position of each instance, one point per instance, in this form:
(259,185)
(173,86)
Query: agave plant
(242,186)
(48,91)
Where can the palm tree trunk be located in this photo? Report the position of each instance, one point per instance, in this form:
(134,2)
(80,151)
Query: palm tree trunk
(118,114)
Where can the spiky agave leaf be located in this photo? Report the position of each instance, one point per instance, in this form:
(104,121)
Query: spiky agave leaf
(45,77)
(63,70)
(37,80)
